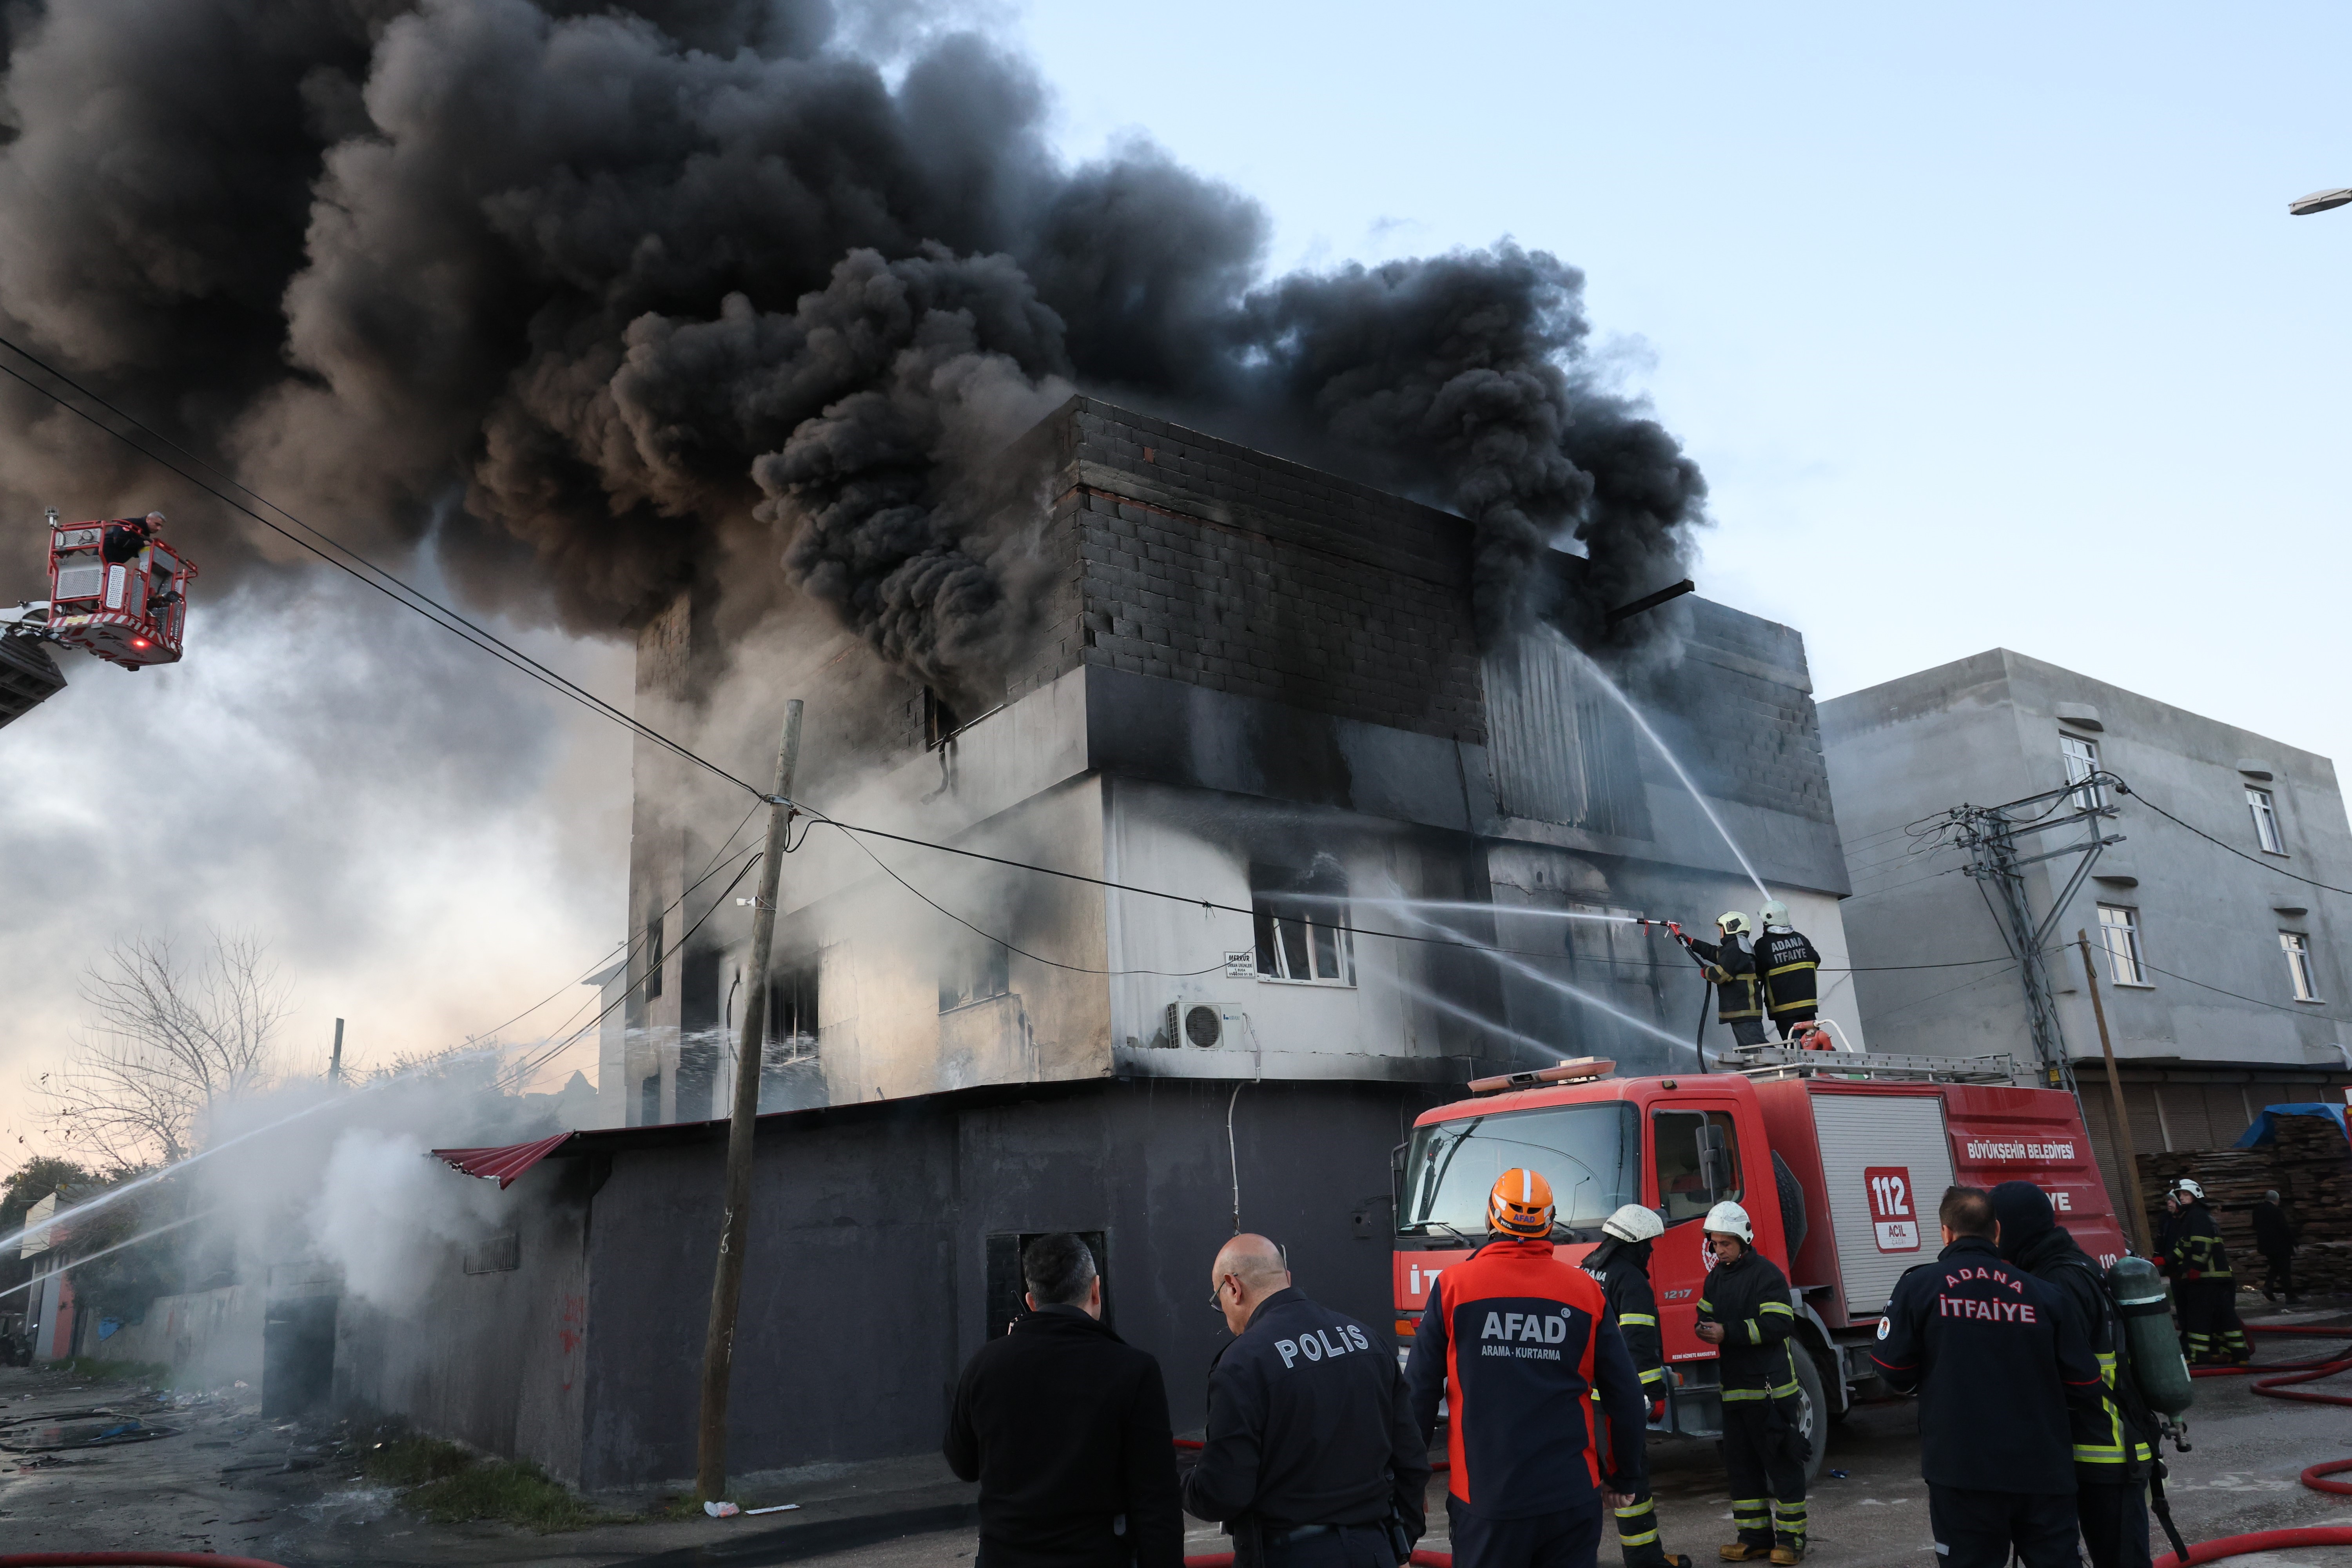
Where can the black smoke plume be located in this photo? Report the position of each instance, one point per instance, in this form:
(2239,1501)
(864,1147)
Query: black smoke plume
(594,299)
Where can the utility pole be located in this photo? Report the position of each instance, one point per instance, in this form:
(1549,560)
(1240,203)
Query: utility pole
(335,1063)
(735,1217)
(1990,835)
(2128,1157)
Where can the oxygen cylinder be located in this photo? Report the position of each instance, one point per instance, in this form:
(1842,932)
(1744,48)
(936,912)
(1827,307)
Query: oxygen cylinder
(2144,1303)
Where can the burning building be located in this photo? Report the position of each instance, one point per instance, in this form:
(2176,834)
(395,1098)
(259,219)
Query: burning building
(1282,855)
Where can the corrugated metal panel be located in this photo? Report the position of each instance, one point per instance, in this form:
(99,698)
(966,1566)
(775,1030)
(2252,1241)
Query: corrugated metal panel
(1865,1132)
(1561,749)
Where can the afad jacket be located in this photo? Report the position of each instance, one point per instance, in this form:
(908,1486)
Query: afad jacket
(1517,1343)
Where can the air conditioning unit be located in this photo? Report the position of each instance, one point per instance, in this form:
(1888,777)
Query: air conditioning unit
(1199,1024)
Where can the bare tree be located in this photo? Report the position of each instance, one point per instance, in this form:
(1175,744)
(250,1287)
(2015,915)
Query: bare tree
(168,1044)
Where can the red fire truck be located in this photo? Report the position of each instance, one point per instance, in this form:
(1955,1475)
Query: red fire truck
(1839,1158)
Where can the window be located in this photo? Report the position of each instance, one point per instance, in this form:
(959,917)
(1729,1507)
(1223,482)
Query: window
(2266,822)
(791,1031)
(976,976)
(941,721)
(1590,1153)
(1302,924)
(653,958)
(2298,964)
(2119,933)
(649,1101)
(2082,761)
(1698,1163)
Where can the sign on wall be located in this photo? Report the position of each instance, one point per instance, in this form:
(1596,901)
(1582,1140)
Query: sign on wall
(1894,1207)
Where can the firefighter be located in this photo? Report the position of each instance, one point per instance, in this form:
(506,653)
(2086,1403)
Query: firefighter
(2113,1443)
(1311,1459)
(2000,1362)
(1519,1346)
(1789,969)
(125,537)
(1622,1264)
(1738,994)
(1747,1312)
(2189,1249)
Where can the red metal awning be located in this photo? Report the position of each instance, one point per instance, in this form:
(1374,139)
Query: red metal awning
(504,1163)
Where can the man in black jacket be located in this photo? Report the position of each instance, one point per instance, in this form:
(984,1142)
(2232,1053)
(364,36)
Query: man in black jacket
(1312,1457)
(1622,1264)
(2188,1245)
(1064,1427)
(2000,1363)
(1747,1312)
(1789,969)
(2112,1454)
(1731,969)
(2275,1235)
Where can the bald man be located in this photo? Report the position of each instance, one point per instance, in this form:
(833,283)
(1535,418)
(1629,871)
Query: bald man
(1313,1459)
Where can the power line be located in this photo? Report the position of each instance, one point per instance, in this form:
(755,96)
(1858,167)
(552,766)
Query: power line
(2121,789)
(356,565)
(2301,1009)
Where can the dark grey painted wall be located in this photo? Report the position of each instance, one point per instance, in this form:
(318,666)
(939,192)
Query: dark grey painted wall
(864,1291)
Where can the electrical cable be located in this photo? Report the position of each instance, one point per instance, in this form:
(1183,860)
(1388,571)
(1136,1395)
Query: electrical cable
(2301,1009)
(2267,866)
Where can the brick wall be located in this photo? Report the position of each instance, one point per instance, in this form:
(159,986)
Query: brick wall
(1740,711)
(1192,559)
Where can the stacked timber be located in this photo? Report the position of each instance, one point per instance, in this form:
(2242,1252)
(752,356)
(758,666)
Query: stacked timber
(2310,1167)
(2314,1176)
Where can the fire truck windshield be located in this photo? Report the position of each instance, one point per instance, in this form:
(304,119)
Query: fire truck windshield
(1590,1153)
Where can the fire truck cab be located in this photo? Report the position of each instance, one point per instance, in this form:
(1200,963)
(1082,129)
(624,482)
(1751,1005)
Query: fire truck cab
(1839,1158)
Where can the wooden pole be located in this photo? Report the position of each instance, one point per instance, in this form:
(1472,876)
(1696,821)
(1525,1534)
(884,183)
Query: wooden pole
(2130,1160)
(735,1217)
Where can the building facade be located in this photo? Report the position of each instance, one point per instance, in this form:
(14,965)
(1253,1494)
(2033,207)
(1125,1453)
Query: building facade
(2223,975)
(1282,855)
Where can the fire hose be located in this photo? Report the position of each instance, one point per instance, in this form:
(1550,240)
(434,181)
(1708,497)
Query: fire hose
(2273,1382)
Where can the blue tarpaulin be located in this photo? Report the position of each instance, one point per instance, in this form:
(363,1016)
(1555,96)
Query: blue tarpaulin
(2262,1134)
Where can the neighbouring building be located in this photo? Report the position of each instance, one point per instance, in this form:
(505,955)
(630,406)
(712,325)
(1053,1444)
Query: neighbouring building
(1247,685)
(2226,980)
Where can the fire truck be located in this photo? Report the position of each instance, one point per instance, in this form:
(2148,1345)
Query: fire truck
(1839,1159)
(116,592)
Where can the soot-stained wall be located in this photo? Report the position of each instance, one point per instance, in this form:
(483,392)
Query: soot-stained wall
(864,1290)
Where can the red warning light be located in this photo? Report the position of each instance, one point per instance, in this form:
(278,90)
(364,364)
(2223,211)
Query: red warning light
(137,642)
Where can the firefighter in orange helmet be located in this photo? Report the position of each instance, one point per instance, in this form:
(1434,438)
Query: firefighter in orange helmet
(1517,1342)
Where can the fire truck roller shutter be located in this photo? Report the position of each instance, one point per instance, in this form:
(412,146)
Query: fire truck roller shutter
(1860,1133)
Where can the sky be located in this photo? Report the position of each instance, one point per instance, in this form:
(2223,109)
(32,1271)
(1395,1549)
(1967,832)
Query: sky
(1987,326)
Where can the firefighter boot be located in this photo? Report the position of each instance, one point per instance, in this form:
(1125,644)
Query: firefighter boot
(1753,1519)
(1787,1532)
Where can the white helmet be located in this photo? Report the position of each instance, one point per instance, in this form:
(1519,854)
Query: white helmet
(2186,1188)
(1734,922)
(1634,1223)
(1773,913)
(1727,1218)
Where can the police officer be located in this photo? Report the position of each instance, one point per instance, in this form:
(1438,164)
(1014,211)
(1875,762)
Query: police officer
(2113,1452)
(1999,1361)
(1519,1343)
(1622,1264)
(1747,1312)
(1312,1459)
(1789,969)
(2189,1248)
(1731,968)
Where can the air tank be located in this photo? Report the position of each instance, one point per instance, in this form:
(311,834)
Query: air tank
(2143,1302)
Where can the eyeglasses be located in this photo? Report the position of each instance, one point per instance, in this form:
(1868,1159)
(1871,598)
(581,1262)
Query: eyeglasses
(1217,1294)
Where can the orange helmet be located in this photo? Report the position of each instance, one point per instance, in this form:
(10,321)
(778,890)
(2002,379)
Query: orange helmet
(1520,1205)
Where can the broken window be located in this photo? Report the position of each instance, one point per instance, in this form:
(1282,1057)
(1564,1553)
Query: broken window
(976,975)
(1302,924)
(653,958)
(791,1028)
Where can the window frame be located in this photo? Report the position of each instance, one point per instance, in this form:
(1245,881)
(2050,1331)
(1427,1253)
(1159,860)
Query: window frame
(1707,1115)
(1268,919)
(2134,950)
(2088,796)
(2270,834)
(655,957)
(2301,975)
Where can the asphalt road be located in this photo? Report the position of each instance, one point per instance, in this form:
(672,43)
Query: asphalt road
(229,1482)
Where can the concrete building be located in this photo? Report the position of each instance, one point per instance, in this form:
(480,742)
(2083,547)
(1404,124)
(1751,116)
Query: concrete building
(2227,982)
(1242,683)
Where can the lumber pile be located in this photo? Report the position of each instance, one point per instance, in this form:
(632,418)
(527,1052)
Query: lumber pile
(2315,1177)
(2309,1165)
